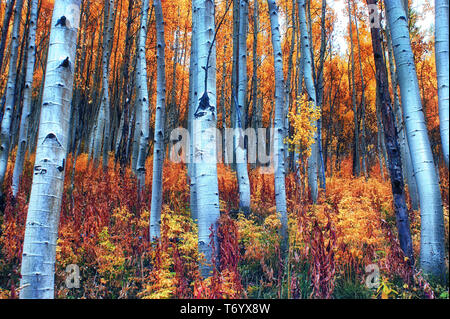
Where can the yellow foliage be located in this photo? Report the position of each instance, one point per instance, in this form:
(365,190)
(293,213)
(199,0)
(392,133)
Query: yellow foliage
(304,127)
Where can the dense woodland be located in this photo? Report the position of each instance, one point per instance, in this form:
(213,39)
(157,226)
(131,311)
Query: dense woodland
(224,149)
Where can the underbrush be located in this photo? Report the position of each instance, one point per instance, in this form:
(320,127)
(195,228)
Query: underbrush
(104,229)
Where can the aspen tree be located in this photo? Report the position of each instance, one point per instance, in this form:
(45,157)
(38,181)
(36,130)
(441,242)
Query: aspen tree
(41,230)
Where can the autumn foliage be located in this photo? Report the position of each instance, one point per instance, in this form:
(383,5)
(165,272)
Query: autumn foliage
(104,230)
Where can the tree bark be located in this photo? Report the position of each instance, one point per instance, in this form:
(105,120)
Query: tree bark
(356,156)
(313,160)
(27,99)
(158,147)
(41,231)
(204,133)
(393,148)
(280,186)
(240,112)
(442,68)
(432,220)
(5,133)
(5,28)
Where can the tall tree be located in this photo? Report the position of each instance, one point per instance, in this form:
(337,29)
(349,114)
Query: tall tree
(240,112)
(280,186)
(27,99)
(102,131)
(363,99)
(4,34)
(392,145)
(432,219)
(41,232)
(442,68)
(106,58)
(5,133)
(408,171)
(356,156)
(204,132)
(158,145)
(313,160)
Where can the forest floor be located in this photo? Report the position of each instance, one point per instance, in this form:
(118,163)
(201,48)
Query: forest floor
(336,247)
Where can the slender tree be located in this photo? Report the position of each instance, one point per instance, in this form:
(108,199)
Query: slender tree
(363,100)
(41,231)
(240,112)
(408,171)
(106,58)
(204,132)
(392,145)
(5,133)
(158,150)
(4,34)
(313,160)
(280,186)
(442,68)
(27,95)
(432,219)
(356,156)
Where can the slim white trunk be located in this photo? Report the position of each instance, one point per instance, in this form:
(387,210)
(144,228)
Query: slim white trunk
(313,161)
(5,133)
(106,52)
(432,220)
(442,61)
(280,186)
(193,98)
(408,171)
(204,132)
(27,95)
(158,147)
(41,231)
(241,153)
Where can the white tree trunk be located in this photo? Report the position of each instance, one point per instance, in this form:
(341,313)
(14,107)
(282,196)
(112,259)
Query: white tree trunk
(280,186)
(27,99)
(193,98)
(432,220)
(142,97)
(408,171)
(204,133)
(136,133)
(5,133)
(98,134)
(41,232)
(442,61)
(313,161)
(241,153)
(158,147)
(107,46)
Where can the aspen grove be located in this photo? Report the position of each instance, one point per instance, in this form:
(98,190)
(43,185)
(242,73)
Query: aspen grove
(209,149)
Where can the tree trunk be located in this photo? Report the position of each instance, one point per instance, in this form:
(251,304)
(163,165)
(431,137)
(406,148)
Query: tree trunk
(41,232)
(158,147)
(356,161)
(393,148)
(107,46)
(319,92)
(5,28)
(363,104)
(280,186)
(442,61)
(432,220)
(204,133)
(193,98)
(408,171)
(27,99)
(313,160)
(5,133)
(240,113)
